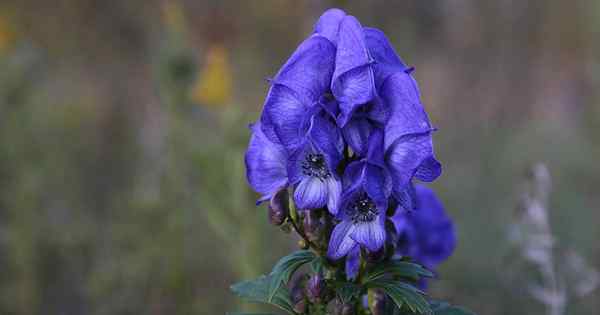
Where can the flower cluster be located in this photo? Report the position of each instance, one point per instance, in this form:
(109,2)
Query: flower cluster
(344,130)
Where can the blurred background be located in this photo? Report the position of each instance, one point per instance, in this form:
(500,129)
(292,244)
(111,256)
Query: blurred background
(123,129)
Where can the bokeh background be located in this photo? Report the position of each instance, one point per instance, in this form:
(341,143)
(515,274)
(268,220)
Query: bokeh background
(123,129)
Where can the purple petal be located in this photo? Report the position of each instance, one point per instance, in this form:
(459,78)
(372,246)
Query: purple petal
(294,165)
(406,115)
(283,116)
(387,61)
(353,175)
(298,85)
(378,185)
(311,193)
(371,234)
(406,155)
(341,243)
(334,192)
(330,106)
(308,71)
(406,198)
(328,24)
(356,133)
(428,231)
(265,164)
(325,136)
(352,83)
(353,263)
(429,170)
(375,148)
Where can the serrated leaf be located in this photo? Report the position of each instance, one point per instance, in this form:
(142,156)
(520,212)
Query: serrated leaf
(443,308)
(398,268)
(285,268)
(244,313)
(317,264)
(347,291)
(258,291)
(403,294)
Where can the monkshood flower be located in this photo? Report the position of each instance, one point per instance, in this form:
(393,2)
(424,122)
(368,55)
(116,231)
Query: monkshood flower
(341,139)
(427,233)
(375,89)
(296,116)
(367,188)
(266,164)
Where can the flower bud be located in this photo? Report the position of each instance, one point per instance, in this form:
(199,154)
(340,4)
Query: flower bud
(312,224)
(297,294)
(341,308)
(377,303)
(279,207)
(302,244)
(315,288)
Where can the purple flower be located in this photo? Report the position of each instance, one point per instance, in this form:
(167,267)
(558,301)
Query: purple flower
(312,167)
(427,233)
(299,92)
(265,164)
(297,113)
(375,89)
(367,188)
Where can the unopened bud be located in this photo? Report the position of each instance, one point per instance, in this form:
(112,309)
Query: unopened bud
(377,303)
(297,294)
(315,288)
(279,207)
(302,244)
(312,224)
(341,308)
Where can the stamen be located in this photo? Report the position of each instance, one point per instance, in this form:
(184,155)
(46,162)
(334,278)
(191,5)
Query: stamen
(363,209)
(315,165)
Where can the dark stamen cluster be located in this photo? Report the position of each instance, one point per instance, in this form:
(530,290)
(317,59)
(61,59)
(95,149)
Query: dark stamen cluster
(363,209)
(314,165)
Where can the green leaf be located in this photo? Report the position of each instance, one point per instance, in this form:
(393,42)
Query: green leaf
(285,268)
(443,308)
(258,291)
(404,294)
(398,268)
(318,264)
(347,291)
(244,313)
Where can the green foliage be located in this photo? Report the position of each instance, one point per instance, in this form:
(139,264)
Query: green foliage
(285,268)
(318,264)
(258,290)
(403,295)
(346,291)
(443,308)
(402,269)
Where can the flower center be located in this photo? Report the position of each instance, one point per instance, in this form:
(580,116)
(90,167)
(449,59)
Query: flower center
(363,209)
(314,165)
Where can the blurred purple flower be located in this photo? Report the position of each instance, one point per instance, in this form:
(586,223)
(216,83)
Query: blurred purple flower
(427,233)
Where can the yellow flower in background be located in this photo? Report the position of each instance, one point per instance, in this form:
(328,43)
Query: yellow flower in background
(214,85)
(7,35)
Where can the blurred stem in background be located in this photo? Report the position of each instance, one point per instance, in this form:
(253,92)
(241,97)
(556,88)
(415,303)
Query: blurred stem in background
(562,276)
(200,105)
